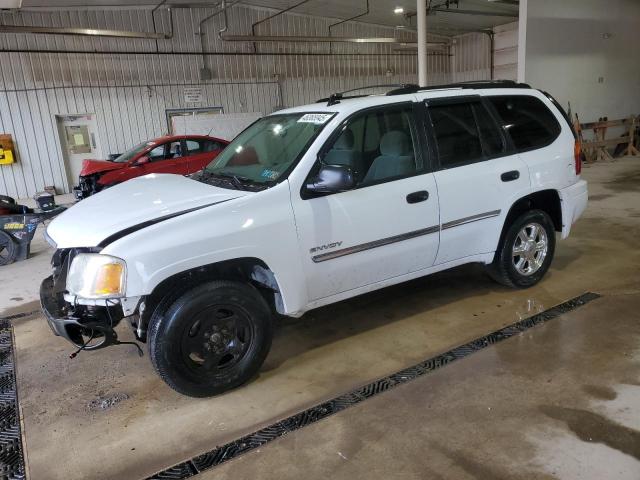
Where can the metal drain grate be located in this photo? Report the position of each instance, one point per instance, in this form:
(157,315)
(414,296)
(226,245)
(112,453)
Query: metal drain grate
(11,456)
(265,435)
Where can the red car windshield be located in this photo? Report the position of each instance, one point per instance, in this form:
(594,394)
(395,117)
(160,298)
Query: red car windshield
(132,153)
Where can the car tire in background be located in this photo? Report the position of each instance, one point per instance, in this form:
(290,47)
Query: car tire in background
(8,249)
(211,338)
(525,251)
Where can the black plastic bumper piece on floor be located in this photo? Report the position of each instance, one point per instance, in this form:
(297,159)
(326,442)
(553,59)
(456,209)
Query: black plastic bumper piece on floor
(11,453)
(265,435)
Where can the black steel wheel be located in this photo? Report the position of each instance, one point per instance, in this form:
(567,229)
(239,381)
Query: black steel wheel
(8,249)
(217,338)
(211,338)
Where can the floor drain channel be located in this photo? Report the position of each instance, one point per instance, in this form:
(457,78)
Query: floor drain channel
(11,453)
(15,316)
(265,435)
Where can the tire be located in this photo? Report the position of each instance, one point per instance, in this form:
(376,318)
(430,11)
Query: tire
(527,269)
(195,348)
(8,249)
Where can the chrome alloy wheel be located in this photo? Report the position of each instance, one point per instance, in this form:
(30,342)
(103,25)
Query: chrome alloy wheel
(530,249)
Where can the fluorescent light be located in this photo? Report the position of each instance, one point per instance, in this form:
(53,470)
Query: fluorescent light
(5,4)
(398,10)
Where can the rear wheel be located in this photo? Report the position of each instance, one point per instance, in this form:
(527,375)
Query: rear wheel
(210,339)
(525,252)
(8,249)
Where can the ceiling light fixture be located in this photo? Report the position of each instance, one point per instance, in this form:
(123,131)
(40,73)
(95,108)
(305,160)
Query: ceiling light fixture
(398,10)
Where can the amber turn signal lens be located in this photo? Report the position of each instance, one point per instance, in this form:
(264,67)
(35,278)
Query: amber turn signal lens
(109,279)
(577,155)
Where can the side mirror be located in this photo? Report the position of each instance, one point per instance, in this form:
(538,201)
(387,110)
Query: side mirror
(142,160)
(332,179)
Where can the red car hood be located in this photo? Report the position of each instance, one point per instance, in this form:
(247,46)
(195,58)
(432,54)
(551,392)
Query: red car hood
(95,166)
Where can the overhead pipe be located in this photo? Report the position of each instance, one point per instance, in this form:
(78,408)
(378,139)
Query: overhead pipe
(474,12)
(206,72)
(302,38)
(91,32)
(366,12)
(97,32)
(189,54)
(253,26)
(153,21)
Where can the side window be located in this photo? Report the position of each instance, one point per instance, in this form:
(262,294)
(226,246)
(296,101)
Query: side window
(157,153)
(211,146)
(175,150)
(457,135)
(528,121)
(378,145)
(193,147)
(165,151)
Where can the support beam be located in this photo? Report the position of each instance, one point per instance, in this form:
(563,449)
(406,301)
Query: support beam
(422,42)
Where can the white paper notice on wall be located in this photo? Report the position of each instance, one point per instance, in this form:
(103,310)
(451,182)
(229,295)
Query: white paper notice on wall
(317,118)
(193,94)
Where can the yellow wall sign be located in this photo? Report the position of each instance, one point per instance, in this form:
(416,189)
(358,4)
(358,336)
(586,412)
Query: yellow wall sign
(13,226)
(6,157)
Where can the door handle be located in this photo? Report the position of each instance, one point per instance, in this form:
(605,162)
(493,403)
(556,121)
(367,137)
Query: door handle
(416,197)
(510,176)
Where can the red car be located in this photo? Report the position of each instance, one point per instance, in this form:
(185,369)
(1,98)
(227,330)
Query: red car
(180,154)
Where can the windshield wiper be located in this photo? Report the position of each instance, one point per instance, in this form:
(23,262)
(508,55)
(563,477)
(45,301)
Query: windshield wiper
(238,182)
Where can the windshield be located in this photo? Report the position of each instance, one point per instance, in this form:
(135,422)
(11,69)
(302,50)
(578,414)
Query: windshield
(130,154)
(267,149)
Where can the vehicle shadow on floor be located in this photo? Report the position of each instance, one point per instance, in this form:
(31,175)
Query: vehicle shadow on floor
(418,297)
(357,315)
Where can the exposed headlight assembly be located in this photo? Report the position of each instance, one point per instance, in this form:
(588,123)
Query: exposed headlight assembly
(97,276)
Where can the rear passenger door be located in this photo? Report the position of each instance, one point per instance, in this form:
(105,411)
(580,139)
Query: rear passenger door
(478,175)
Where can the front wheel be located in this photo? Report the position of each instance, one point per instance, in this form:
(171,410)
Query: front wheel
(526,250)
(211,339)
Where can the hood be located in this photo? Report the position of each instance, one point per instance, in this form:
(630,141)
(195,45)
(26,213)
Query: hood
(95,166)
(140,201)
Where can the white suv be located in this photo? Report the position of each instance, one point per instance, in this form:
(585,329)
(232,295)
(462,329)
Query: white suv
(309,206)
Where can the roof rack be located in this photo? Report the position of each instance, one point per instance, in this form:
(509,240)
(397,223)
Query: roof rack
(411,88)
(336,97)
(405,88)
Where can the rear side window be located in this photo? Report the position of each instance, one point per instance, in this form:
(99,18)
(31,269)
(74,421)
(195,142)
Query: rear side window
(193,147)
(211,146)
(465,133)
(456,132)
(529,122)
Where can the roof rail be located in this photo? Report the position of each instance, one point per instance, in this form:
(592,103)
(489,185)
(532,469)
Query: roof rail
(472,84)
(336,97)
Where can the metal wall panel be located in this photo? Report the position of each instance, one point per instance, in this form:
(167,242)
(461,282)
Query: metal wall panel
(471,57)
(133,81)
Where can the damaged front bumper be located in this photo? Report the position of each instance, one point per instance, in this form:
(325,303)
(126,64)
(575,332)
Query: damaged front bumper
(88,327)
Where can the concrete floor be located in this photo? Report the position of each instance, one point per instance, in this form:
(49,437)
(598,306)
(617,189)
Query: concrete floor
(525,408)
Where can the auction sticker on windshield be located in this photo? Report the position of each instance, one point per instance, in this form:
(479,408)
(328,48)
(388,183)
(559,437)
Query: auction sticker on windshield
(317,118)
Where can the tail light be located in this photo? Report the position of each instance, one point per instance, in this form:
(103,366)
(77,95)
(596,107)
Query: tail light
(577,155)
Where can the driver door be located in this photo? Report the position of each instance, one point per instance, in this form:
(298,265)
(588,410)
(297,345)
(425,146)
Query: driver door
(388,225)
